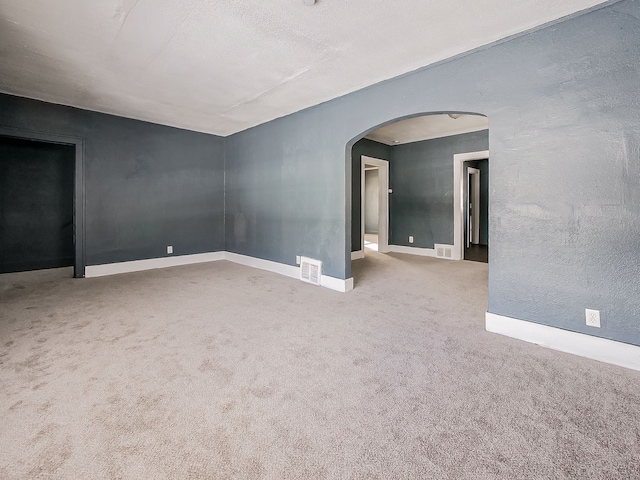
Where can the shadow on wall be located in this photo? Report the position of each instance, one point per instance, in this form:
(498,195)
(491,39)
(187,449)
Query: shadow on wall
(420,153)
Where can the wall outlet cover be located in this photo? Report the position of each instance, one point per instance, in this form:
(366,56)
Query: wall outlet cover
(410,238)
(592,317)
(169,249)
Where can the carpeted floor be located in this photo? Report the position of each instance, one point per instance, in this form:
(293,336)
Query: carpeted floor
(222,371)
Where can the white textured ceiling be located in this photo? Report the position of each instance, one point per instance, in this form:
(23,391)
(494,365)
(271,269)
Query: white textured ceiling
(221,66)
(427,127)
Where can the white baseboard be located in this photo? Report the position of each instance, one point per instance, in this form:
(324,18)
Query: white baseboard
(596,348)
(357,255)
(332,283)
(275,267)
(150,264)
(337,284)
(424,252)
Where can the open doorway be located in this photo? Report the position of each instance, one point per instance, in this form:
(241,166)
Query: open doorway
(371,207)
(374,204)
(476,202)
(425,196)
(36,194)
(41,202)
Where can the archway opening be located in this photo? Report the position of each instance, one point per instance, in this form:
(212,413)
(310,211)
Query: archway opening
(420,186)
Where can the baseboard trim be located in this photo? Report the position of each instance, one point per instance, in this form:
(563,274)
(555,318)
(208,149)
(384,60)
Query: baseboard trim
(337,284)
(275,267)
(357,255)
(331,283)
(150,264)
(595,348)
(423,252)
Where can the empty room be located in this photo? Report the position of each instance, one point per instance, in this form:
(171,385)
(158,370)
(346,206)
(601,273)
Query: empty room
(317,239)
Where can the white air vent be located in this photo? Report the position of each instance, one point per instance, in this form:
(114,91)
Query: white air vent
(310,270)
(444,251)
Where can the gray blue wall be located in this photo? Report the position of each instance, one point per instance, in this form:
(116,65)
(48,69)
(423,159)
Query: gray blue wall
(564,133)
(147,186)
(421,176)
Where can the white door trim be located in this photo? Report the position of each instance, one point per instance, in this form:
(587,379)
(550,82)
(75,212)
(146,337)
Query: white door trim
(458,198)
(383,201)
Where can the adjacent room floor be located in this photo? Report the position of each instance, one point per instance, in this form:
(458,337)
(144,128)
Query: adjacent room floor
(477,253)
(370,242)
(222,371)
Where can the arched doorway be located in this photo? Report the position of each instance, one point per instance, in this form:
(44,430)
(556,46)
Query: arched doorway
(432,208)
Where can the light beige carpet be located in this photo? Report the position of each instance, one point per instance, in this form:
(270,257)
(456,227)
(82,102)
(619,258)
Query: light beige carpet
(222,371)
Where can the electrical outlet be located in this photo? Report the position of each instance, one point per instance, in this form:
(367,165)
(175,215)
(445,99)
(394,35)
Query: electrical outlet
(169,249)
(410,238)
(593,317)
(298,259)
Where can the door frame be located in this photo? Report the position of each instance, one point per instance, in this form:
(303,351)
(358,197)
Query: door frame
(383,202)
(458,198)
(78,186)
